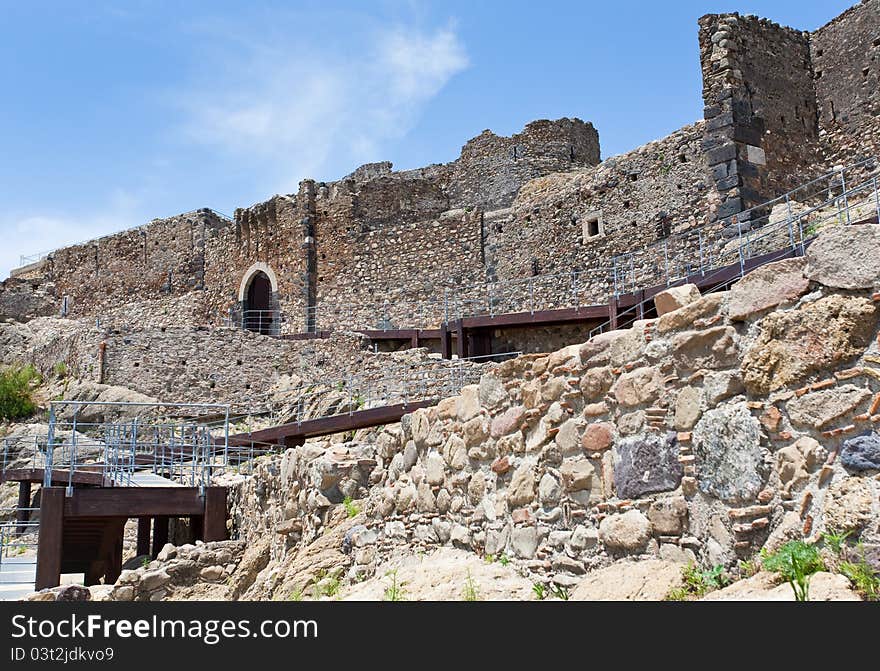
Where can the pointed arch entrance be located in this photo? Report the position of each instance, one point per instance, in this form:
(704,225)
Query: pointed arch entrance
(258,297)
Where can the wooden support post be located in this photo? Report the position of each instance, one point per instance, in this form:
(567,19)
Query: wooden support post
(23,514)
(461,343)
(160,534)
(215,514)
(612,313)
(445,341)
(51,535)
(197,528)
(114,560)
(143,537)
(414,340)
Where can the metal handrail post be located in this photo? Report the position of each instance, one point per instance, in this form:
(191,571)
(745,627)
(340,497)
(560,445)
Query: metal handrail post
(845,198)
(50,448)
(876,198)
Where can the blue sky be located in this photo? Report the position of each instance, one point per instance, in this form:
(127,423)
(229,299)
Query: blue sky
(114,113)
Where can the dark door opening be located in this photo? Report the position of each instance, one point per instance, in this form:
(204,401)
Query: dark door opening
(259,315)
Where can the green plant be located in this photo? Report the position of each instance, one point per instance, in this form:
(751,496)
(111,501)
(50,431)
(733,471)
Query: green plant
(862,575)
(60,369)
(835,540)
(470,591)
(16,400)
(750,567)
(396,591)
(795,561)
(559,591)
(698,582)
(330,587)
(504,560)
(145,562)
(540,591)
(490,559)
(350,508)
(295,595)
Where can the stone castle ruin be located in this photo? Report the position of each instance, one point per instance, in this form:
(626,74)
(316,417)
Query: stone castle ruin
(781,107)
(668,356)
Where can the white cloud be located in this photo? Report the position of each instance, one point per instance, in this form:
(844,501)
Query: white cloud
(292,109)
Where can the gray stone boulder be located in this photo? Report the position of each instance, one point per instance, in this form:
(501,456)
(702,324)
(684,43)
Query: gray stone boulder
(625,532)
(730,459)
(647,464)
(766,287)
(675,298)
(846,257)
(861,453)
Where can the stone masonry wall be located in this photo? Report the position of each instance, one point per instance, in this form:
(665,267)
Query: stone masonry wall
(760,108)
(163,258)
(640,197)
(846,64)
(491,169)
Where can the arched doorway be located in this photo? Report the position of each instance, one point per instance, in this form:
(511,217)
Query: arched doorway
(259,315)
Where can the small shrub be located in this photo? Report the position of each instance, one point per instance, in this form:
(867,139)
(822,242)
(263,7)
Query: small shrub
(295,595)
(490,559)
(698,582)
(504,560)
(750,567)
(835,541)
(350,508)
(862,575)
(60,369)
(795,561)
(540,591)
(396,591)
(16,400)
(470,591)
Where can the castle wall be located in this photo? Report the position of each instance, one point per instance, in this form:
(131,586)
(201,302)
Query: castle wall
(846,61)
(760,108)
(491,168)
(639,197)
(163,258)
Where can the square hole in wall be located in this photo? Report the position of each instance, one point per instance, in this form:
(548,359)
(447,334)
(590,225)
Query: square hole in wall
(593,225)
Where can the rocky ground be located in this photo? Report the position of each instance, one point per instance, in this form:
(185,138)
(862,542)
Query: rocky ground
(729,425)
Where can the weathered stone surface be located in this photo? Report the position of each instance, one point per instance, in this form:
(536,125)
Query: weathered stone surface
(521,490)
(435,469)
(705,307)
(152,580)
(687,408)
(524,541)
(730,460)
(720,385)
(73,593)
(569,437)
(549,490)
(846,257)
(669,516)
(708,348)
(675,298)
(475,431)
(646,580)
(646,464)
(764,586)
(577,474)
(815,336)
(862,452)
(849,504)
(595,382)
(639,386)
(507,422)
(794,463)
(818,409)
(492,392)
(766,287)
(627,532)
(468,405)
(598,436)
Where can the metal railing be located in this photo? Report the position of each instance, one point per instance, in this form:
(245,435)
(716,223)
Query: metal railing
(265,322)
(840,196)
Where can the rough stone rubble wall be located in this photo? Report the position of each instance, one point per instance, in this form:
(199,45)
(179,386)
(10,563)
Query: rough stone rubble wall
(737,422)
(846,64)
(163,258)
(761,117)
